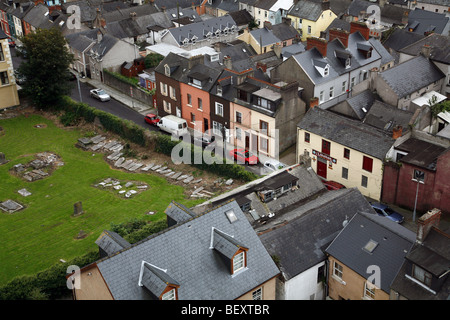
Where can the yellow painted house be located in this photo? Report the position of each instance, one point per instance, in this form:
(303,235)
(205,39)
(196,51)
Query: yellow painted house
(344,150)
(8,90)
(310,18)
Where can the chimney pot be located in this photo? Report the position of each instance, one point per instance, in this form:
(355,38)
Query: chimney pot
(361,27)
(426,222)
(397,132)
(341,34)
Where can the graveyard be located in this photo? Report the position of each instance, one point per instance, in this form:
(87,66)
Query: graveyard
(52,190)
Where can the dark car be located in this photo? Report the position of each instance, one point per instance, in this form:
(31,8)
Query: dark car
(333,185)
(385,211)
(244,156)
(152,119)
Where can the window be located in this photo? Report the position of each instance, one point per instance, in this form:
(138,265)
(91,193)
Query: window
(326,71)
(257,294)
(219,90)
(167,70)
(364,181)
(309,29)
(352,83)
(326,147)
(367,164)
(169,295)
(331,92)
(264,145)
(217,128)
(2,55)
(345,173)
(321,96)
(238,117)
(344,86)
(172,92)
(163,88)
(369,290)
(307,137)
(419,176)
(192,117)
(337,270)
(189,99)
(167,106)
(219,109)
(421,275)
(4,78)
(200,104)
(239,261)
(263,127)
(195,82)
(346,153)
(263,103)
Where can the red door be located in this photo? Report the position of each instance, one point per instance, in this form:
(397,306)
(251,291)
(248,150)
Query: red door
(322,167)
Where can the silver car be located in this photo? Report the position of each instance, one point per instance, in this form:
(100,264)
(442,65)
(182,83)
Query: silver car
(100,94)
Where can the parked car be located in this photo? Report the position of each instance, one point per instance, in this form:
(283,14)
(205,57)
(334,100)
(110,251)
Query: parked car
(152,119)
(11,43)
(333,185)
(20,79)
(204,140)
(273,165)
(244,156)
(385,211)
(100,94)
(173,125)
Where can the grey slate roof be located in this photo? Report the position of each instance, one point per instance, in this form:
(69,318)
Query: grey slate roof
(386,117)
(124,13)
(401,38)
(155,280)
(363,100)
(299,244)
(347,132)
(184,251)
(308,10)
(423,21)
(420,153)
(439,46)
(411,75)
(264,37)
(394,242)
(111,242)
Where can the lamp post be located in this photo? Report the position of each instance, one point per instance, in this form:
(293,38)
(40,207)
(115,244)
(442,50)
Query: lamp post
(419,177)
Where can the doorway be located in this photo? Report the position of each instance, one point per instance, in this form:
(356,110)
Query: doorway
(322,167)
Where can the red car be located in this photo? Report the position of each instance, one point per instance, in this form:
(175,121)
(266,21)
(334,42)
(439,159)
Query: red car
(333,185)
(151,119)
(11,42)
(244,156)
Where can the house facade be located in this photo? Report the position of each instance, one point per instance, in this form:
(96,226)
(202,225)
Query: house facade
(8,89)
(310,18)
(341,155)
(234,263)
(420,169)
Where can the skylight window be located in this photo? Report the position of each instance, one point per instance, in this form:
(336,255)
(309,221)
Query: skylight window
(370,246)
(231,216)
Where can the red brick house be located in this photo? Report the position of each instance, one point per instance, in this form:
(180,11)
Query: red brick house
(420,167)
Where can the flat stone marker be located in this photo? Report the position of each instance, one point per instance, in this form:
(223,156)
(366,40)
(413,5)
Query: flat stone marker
(97,139)
(117,147)
(161,169)
(97,146)
(119,162)
(176,175)
(127,164)
(10,206)
(188,179)
(197,181)
(148,167)
(198,190)
(170,174)
(184,176)
(113,155)
(229,182)
(135,166)
(166,171)
(24,192)
(110,144)
(128,184)
(156,167)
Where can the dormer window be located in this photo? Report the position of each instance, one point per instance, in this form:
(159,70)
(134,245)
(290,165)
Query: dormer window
(169,295)
(239,262)
(348,63)
(167,70)
(326,71)
(158,282)
(219,90)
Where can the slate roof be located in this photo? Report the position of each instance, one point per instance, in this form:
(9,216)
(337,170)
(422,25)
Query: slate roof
(307,10)
(439,46)
(124,13)
(264,37)
(401,38)
(111,242)
(299,243)
(393,243)
(420,153)
(422,21)
(363,100)
(131,27)
(241,17)
(265,4)
(181,3)
(411,75)
(385,117)
(188,244)
(434,256)
(347,132)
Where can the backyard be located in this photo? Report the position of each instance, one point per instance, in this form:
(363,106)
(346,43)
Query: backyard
(46,230)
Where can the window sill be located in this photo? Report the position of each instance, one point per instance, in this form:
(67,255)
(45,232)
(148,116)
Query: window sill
(339,280)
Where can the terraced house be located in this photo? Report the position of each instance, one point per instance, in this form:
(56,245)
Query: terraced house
(211,256)
(8,88)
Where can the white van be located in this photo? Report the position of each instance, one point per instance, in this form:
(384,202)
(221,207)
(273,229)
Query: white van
(173,125)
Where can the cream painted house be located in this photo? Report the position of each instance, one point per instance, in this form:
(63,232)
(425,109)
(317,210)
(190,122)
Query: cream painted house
(8,89)
(344,150)
(311,18)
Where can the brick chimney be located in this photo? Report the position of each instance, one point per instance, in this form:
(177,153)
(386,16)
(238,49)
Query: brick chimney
(262,66)
(267,25)
(361,27)
(314,102)
(340,34)
(319,43)
(325,5)
(426,222)
(426,51)
(397,132)
(227,62)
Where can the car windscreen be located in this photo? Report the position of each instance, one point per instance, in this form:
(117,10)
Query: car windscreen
(389,211)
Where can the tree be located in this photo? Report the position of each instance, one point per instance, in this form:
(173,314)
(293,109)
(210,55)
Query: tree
(45,66)
(152,60)
(436,108)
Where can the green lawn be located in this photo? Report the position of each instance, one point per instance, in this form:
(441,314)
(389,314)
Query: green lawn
(45,231)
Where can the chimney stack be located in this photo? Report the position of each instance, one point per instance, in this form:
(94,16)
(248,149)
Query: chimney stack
(340,34)
(397,132)
(99,36)
(361,27)
(228,63)
(319,43)
(267,25)
(314,102)
(426,222)
(195,60)
(426,51)
(325,5)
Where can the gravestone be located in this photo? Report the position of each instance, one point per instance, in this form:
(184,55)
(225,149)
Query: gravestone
(3,158)
(77,208)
